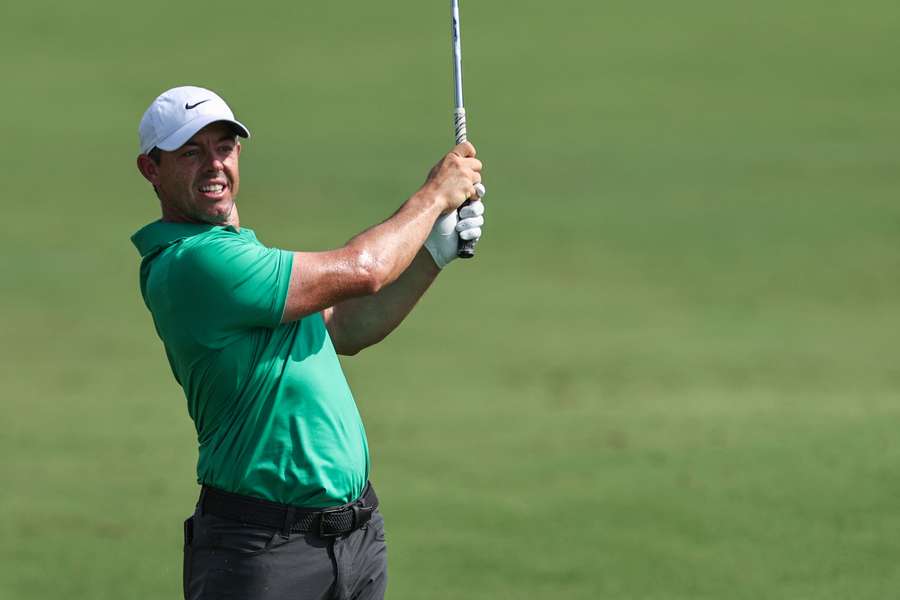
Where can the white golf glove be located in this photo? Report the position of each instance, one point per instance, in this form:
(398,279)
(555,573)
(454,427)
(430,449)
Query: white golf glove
(443,241)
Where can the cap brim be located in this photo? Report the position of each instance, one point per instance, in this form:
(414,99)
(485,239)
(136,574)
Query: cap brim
(187,131)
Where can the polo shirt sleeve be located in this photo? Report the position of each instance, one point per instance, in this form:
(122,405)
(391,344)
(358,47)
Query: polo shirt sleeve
(226,283)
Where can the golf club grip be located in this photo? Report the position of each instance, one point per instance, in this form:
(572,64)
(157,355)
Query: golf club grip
(466,248)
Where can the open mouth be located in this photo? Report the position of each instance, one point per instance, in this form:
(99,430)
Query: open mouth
(213,190)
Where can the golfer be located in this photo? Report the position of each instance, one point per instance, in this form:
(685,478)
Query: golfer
(252,334)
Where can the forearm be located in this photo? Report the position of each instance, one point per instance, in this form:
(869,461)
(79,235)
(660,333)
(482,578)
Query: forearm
(390,247)
(367,264)
(361,322)
(377,257)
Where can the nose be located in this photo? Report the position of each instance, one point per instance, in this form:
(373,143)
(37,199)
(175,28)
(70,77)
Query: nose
(214,162)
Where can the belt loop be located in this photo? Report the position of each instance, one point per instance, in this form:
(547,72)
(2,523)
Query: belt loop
(290,516)
(202,498)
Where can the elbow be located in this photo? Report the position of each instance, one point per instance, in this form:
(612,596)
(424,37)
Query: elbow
(352,348)
(349,350)
(373,273)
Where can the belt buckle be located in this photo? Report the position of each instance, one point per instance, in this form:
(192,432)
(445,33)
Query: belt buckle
(332,534)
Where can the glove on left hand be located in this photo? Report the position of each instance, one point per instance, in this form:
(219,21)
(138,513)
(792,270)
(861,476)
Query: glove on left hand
(443,241)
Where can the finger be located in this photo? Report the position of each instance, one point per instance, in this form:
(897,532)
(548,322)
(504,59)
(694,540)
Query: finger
(470,234)
(474,164)
(480,190)
(473,209)
(466,150)
(471,223)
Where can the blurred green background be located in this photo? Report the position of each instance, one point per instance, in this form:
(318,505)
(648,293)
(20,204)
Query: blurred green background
(670,373)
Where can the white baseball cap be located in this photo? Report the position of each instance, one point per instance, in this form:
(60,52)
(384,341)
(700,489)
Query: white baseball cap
(177,114)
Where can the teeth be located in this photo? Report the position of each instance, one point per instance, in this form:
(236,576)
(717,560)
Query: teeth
(212,188)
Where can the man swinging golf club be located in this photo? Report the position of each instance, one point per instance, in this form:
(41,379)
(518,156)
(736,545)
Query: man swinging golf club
(252,335)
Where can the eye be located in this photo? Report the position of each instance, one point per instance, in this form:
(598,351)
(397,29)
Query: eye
(189,153)
(226,149)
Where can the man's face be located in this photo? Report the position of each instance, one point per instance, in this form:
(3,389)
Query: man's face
(199,181)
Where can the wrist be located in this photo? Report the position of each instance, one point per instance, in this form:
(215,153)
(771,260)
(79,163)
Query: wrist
(431,196)
(429,261)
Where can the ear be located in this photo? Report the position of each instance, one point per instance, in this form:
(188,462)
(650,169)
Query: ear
(238,147)
(148,168)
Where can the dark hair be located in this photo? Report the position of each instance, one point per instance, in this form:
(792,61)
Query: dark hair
(155,155)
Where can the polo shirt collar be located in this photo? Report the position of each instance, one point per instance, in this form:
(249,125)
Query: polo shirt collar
(160,234)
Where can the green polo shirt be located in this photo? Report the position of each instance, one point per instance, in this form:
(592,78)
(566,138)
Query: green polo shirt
(274,415)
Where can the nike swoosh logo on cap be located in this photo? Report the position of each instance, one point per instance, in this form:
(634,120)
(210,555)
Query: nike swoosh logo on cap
(190,106)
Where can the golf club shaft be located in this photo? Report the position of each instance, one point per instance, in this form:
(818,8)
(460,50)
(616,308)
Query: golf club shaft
(466,247)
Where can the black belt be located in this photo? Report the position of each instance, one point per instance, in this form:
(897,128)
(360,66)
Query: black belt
(325,522)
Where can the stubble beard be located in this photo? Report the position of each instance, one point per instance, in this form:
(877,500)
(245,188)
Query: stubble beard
(217,217)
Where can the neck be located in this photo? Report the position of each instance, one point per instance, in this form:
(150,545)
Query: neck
(173,215)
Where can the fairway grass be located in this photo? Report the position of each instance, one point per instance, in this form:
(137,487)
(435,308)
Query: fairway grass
(670,373)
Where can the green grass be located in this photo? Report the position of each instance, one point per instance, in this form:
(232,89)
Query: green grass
(670,373)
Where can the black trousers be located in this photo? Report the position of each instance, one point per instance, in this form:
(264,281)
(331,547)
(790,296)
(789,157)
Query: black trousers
(228,559)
